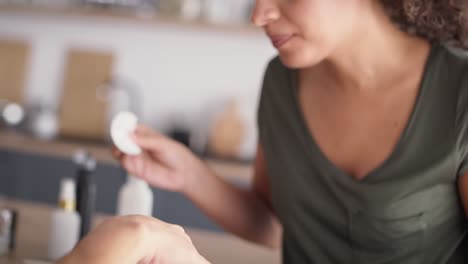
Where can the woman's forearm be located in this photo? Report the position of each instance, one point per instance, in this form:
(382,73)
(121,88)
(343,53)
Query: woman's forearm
(237,210)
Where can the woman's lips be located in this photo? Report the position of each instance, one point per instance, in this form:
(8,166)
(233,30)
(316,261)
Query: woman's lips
(279,40)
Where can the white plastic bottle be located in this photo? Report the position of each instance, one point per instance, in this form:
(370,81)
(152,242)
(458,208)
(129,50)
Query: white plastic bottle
(135,198)
(65,224)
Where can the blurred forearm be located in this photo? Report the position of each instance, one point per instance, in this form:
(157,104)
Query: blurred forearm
(239,211)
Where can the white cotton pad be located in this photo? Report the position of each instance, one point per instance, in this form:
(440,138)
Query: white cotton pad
(123,124)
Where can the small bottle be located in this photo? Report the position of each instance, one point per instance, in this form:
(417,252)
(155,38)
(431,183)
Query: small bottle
(65,226)
(86,190)
(8,219)
(135,198)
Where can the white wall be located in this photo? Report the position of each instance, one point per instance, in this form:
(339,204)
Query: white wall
(179,68)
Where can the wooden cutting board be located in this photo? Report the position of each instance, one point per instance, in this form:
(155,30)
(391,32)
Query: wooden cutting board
(14,58)
(82,115)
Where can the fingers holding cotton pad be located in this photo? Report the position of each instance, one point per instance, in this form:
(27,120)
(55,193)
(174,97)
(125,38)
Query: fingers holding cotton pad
(122,126)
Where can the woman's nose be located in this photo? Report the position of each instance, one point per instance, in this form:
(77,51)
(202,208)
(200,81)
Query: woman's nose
(264,12)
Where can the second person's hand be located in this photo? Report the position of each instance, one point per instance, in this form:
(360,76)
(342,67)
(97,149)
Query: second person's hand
(135,239)
(164,163)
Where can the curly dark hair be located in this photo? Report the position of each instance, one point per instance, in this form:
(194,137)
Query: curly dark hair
(443,21)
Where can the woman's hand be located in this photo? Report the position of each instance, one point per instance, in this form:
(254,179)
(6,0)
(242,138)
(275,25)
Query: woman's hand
(135,239)
(164,162)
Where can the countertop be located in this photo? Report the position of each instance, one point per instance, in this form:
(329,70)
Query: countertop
(219,248)
(230,171)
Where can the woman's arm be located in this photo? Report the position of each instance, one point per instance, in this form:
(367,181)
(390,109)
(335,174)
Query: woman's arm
(246,213)
(169,165)
(135,239)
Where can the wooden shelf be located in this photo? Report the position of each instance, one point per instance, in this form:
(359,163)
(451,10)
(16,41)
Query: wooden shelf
(231,171)
(146,18)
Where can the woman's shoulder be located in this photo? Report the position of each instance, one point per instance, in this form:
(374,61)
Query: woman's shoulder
(457,69)
(454,65)
(276,67)
(456,52)
(278,85)
(278,78)
(456,58)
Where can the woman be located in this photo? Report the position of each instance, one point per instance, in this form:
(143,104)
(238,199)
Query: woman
(363,123)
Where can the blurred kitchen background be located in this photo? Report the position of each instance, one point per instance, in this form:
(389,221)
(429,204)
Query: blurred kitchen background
(191,69)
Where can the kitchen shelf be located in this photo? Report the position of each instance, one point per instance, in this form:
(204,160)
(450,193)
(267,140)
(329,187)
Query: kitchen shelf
(147,18)
(235,172)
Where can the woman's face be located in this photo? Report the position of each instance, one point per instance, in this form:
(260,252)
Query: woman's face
(306,31)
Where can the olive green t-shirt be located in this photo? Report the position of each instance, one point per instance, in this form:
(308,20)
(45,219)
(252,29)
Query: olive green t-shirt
(405,211)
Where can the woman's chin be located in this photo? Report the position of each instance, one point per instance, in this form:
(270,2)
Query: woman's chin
(297,59)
